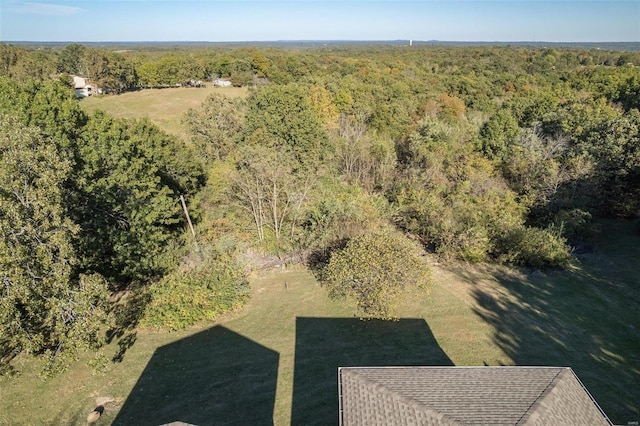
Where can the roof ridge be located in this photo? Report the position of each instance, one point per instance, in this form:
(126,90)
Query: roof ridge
(537,407)
(415,404)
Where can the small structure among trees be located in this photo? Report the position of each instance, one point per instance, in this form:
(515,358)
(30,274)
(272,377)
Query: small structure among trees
(222,82)
(82,87)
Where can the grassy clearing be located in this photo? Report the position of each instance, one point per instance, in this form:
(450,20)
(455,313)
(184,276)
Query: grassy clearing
(586,318)
(276,358)
(164,107)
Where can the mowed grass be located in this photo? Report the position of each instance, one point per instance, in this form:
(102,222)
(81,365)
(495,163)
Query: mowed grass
(275,359)
(164,107)
(263,332)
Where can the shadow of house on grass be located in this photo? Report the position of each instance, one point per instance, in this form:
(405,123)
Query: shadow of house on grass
(324,344)
(214,377)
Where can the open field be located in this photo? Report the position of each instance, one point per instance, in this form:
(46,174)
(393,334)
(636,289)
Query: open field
(276,358)
(164,107)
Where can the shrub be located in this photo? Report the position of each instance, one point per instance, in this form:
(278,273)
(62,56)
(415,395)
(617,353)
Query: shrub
(535,247)
(182,299)
(473,244)
(338,211)
(374,269)
(576,225)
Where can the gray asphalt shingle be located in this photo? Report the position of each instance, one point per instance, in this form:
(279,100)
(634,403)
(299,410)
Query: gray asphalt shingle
(465,396)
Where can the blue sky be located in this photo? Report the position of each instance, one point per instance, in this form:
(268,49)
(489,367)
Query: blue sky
(263,20)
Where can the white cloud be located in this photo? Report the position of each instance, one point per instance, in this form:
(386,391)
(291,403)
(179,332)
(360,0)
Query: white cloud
(46,9)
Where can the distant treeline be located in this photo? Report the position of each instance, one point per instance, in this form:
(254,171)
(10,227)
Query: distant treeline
(314,44)
(118,67)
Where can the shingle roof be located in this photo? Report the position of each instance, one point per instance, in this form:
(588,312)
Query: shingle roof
(465,396)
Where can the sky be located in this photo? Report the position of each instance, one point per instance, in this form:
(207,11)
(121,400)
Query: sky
(268,20)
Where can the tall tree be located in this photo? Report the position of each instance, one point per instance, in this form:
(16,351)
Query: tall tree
(70,59)
(215,125)
(8,58)
(498,134)
(267,186)
(616,148)
(111,71)
(148,74)
(283,119)
(46,308)
(34,65)
(127,204)
(364,158)
(54,108)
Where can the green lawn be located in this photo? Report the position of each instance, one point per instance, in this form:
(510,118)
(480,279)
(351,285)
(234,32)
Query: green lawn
(276,358)
(164,107)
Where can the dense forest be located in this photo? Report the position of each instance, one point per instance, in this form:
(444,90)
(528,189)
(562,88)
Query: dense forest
(480,154)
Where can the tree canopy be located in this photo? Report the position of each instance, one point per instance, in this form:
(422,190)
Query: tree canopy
(88,205)
(375,269)
(47,307)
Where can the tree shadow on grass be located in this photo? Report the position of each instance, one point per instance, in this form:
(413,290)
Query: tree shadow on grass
(214,377)
(586,319)
(324,344)
(127,312)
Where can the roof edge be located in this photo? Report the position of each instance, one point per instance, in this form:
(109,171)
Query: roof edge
(538,408)
(590,396)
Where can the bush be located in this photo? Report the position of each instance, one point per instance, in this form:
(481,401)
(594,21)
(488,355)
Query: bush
(375,269)
(576,225)
(182,299)
(338,211)
(535,247)
(473,244)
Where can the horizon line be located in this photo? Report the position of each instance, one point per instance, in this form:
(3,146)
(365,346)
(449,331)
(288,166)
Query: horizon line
(318,41)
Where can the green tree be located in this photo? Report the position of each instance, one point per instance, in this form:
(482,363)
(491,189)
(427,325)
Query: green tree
(531,106)
(34,65)
(364,157)
(375,269)
(54,109)
(498,134)
(215,125)
(283,119)
(8,58)
(534,167)
(127,203)
(617,150)
(170,71)
(451,197)
(50,106)
(188,296)
(630,93)
(70,59)
(120,75)
(127,177)
(111,71)
(260,64)
(223,66)
(148,74)
(337,211)
(14,99)
(46,308)
(534,247)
